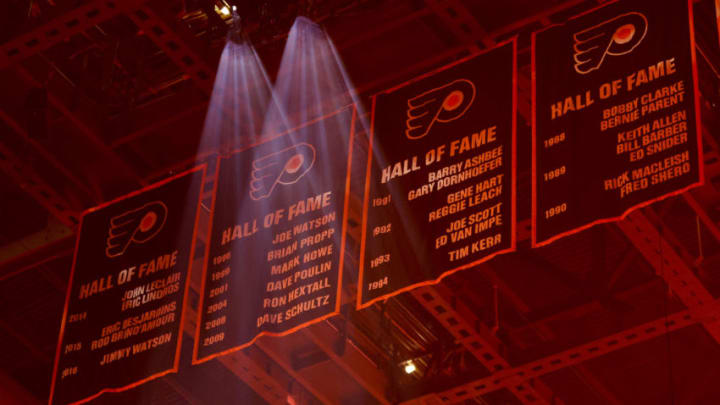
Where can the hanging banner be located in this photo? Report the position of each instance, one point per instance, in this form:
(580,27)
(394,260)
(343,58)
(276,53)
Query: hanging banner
(717,15)
(277,238)
(123,318)
(616,122)
(440,187)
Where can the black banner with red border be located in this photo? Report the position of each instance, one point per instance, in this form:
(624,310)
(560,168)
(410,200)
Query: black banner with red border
(122,324)
(277,237)
(616,120)
(717,15)
(440,186)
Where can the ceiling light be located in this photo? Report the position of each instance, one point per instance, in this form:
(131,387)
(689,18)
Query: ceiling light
(409,367)
(224,11)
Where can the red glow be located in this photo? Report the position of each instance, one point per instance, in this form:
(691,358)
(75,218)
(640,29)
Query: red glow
(624,33)
(453,100)
(294,163)
(148,221)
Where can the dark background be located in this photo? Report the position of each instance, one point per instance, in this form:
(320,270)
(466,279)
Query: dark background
(113,127)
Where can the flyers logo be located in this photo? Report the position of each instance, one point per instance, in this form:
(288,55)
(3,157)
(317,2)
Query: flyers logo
(284,167)
(618,36)
(441,104)
(139,226)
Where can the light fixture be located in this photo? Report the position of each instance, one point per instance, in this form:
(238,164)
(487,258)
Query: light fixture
(224,11)
(409,367)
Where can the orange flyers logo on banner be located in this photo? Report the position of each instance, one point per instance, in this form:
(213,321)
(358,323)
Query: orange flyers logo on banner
(441,104)
(617,36)
(284,167)
(138,225)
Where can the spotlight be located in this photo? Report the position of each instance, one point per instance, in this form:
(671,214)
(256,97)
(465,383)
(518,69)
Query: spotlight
(224,11)
(409,367)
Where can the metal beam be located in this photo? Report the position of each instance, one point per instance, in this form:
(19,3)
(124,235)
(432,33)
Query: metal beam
(59,94)
(282,355)
(461,23)
(253,373)
(20,264)
(706,313)
(470,332)
(576,312)
(353,373)
(352,361)
(60,28)
(668,264)
(31,183)
(175,385)
(13,393)
(703,308)
(53,232)
(144,120)
(540,327)
(457,319)
(177,43)
(396,75)
(47,155)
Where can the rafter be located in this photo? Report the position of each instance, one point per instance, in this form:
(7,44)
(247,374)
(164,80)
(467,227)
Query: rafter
(62,27)
(13,123)
(391,76)
(59,94)
(14,393)
(600,347)
(352,361)
(34,185)
(177,43)
(470,332)
(251,371)
(668,264)
(459,321)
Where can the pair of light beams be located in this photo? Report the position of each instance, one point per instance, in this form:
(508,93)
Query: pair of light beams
(311,83)
(245,107)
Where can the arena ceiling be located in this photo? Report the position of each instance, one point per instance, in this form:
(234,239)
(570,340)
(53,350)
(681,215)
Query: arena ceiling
(123,87)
